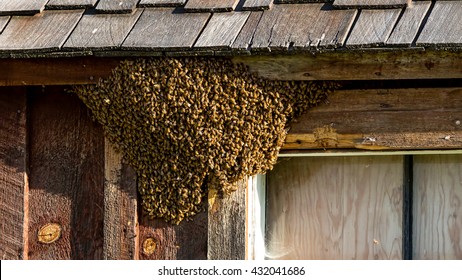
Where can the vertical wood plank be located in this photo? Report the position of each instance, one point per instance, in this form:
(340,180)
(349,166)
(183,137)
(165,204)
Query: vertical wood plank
(186,241)
(66,176)
(120,208)
(437,220)
(226,225)
(373,204)
(335,208)
(305,209)
(13,182)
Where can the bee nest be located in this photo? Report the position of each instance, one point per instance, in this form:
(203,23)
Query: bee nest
(189,124)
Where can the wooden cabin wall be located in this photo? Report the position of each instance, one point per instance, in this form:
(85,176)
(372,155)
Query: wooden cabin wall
(57,168)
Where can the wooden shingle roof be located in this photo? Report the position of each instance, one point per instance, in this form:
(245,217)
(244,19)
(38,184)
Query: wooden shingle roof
(191,27)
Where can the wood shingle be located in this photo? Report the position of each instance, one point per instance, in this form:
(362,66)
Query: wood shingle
(257,5)
(70,4)
(370,4)
(101,31)
(210,5)
(119,6)
(21,7)
(45,31)
(222,30)
(373,28)
(444,25)
(406,30)
(161,3)
(305,26)
(160,29)
(3,22)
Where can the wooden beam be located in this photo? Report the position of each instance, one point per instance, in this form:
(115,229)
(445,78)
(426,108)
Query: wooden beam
(55,71)
(120,208)
(66,186)
(227,220)
(379,119)
(358,65)
(330,65)
(13,179)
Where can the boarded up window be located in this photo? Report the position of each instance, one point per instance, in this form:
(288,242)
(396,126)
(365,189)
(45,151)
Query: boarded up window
(353,208)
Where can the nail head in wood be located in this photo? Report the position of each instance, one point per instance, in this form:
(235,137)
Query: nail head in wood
(149,246)
(49,233)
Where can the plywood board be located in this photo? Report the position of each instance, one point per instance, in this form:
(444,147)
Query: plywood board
(119,6)
(70,4)
(47,31)
(161,3)
(372,28)
(304,26)
(443,27)
(158,29)
(257,5)
(408,25)
(13,178)
(370,4)
(66,172)
(101,31)
(221,30)
(210,5)
(21,7)
(437,219)
(120,208)
(335,208)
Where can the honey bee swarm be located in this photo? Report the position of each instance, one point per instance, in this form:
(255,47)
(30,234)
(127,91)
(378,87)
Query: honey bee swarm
(191,123)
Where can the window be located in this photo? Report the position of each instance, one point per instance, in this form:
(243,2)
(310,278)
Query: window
(387,206)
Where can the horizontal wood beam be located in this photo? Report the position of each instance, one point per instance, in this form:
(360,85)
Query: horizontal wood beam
(358,65)
(331,65)
(55,71)
(378,119)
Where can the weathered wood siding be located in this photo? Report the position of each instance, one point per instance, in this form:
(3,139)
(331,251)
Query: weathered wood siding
(13,181)
(57,168)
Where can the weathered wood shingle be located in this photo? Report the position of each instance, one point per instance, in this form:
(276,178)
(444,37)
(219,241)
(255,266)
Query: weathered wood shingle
(3,21)
(302,26)
(369,4)
(373,28)
(444,25)
(222,30)
(70,4)
(102,31)
(160,29)
(21,7)
(406,30)
(256,5)
(210,5)
(119,6)
(161,3)
(45,31)
(245,37)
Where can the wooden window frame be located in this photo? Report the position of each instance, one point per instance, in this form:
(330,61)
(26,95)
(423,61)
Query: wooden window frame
(256,198)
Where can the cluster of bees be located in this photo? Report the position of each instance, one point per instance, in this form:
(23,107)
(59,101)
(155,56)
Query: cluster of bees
(190,124)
